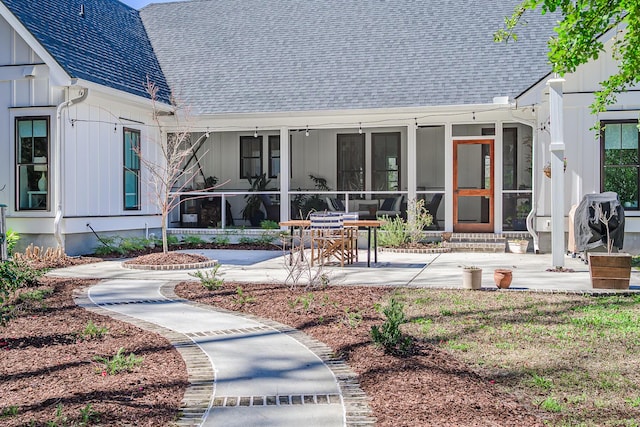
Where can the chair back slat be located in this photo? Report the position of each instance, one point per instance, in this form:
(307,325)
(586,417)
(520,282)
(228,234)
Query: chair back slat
(326,221)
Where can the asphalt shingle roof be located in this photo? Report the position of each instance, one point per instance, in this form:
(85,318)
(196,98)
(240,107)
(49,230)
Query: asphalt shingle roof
(230,56)
(108,45)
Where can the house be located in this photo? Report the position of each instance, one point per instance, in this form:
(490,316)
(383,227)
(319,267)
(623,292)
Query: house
(381,99)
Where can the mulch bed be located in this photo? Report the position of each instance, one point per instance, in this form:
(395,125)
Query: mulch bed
(427,388)
(45,363)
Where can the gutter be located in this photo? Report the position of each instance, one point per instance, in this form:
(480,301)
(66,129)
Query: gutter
(57,188)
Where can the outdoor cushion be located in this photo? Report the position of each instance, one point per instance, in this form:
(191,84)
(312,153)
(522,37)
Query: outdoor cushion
(335,204)
(387,205)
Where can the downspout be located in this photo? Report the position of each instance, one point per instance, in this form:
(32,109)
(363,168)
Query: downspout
(532,214)
(57,188)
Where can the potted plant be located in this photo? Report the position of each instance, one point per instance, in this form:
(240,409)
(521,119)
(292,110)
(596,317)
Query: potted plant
(610,270)
(471,277)
(520,221)
(251,211)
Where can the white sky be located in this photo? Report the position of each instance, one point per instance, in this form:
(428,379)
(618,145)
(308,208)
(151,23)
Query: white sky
(139,4)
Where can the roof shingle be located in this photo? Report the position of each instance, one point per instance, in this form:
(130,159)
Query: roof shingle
(108,45)
(229,56)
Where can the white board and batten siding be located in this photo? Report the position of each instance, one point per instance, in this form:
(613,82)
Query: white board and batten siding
(92,134)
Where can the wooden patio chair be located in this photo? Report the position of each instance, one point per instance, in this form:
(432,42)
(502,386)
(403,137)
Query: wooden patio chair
(329,238)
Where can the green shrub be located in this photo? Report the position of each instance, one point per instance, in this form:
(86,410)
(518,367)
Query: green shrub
(193,240)
(267,224)
(92,331)
(396,231)
(392,232)
(12,238)
(220,240)
(244,240)
(389,336)
(208,278)
(119,362)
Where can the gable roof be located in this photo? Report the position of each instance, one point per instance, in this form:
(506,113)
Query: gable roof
(229,56)
(108,45)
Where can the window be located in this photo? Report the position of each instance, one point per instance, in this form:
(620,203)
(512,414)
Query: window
(131,169)
(351,162)
(619,157)
(32,163)
(385,161)
(251,156)
(274,156)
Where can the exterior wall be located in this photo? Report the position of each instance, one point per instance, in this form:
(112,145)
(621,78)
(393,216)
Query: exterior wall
(92,152)
(582,142)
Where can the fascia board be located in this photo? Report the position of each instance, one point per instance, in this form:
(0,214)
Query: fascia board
(402,111)
(122,96)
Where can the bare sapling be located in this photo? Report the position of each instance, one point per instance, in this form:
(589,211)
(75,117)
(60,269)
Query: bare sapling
(172,173)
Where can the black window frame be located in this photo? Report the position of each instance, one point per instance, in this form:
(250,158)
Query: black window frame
(131,167)
(341,174)
(375,136)
(19,163)
(603,166)
(252,139)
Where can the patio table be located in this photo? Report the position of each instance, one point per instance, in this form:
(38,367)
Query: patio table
(369,224)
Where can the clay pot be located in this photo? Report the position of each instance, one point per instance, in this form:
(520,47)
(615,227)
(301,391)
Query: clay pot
(502,277)
(472,278)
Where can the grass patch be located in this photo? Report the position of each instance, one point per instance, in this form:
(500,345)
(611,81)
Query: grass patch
(585,349)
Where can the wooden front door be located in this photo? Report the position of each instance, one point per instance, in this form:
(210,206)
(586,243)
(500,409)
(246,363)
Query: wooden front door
(473,165)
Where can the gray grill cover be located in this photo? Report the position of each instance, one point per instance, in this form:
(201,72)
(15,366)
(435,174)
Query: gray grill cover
(590,232)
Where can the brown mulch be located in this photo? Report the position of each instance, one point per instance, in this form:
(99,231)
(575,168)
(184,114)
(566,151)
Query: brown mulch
(170,258)
(430,387)
(45,363)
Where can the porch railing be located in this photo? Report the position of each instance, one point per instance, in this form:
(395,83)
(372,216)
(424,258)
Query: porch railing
(347,196)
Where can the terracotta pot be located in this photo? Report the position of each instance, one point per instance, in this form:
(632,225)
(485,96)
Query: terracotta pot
(502,277)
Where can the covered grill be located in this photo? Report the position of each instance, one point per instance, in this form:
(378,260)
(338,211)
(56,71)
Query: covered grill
(589,231)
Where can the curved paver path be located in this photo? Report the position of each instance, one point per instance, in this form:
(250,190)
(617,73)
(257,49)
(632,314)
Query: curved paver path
(242,370)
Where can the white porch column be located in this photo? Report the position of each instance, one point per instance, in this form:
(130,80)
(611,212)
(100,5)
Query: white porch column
(498,178)
(285,174)
(412,151)
(448,176)
(556,147)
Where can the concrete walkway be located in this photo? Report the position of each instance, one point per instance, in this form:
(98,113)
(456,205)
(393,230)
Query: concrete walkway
(245,371)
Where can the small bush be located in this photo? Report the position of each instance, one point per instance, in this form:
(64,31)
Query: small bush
(392,232)
(193,240)
(220,240)
(91,331)
(267,224)
(389,336)
(119,362)
(208,278)
(396,231)
(12,238)
(241,298)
